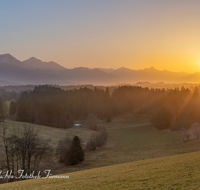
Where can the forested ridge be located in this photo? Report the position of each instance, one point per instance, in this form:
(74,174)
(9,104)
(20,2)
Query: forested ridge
(52,106)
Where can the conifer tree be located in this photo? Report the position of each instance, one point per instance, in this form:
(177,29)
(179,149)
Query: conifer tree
(77,154)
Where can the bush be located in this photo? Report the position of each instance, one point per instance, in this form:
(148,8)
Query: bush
(91,122)
(97,139)
(70,151)
(63,150)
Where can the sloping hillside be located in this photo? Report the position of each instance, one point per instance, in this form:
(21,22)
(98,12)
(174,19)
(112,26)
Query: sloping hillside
(175,172)
(53,134)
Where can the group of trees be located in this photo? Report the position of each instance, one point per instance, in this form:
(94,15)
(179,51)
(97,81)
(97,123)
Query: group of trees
(24,149)
(70,151)
(55,107)
(8,95)
(52,106)
(99,137)
(179,109)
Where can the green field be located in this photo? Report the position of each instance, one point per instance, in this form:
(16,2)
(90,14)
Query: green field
(132,140)
(175,172)
(135,139)
(53,134)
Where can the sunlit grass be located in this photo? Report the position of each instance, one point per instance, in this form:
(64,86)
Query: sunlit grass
(175,172)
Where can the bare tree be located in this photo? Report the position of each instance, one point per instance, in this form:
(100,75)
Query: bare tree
(24,149)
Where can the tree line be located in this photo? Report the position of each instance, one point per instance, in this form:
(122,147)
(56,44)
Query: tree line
(52,106)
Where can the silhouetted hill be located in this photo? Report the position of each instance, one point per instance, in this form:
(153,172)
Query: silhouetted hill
(148,74)
(106,70)
(34,63)
(192,77)
(34,71)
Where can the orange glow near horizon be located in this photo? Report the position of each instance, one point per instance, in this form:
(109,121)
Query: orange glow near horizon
(106,34)
(173,63)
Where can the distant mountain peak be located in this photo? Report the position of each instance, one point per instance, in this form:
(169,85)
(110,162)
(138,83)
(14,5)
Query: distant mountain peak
(33,59)
(151,69)
(35,63)
(82,68)
(123,69)
(35,71)
(109,70)
(9,59)
(7,55)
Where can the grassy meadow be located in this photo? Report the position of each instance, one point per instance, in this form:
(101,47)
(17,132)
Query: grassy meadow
(133,138)
(174,172)
(53,134)
(136,156)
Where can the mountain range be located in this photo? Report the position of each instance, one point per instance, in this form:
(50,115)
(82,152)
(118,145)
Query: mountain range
(35,71)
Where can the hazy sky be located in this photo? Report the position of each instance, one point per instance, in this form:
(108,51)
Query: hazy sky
(104,33)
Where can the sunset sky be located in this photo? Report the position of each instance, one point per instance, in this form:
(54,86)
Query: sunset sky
(104,33)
